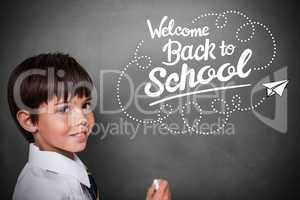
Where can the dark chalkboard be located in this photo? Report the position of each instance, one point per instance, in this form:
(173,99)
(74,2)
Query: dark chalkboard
(259,160)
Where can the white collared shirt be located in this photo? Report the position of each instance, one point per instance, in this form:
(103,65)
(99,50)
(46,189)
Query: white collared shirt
(51,176)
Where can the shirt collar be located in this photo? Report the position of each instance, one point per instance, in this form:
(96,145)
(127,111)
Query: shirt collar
(58,163)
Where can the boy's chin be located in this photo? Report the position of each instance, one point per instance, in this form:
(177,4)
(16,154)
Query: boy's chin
(78,148)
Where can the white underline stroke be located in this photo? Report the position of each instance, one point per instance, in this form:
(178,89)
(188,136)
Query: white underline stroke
(197,92)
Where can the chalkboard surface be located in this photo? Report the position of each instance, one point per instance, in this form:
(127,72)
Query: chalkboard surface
(256,161)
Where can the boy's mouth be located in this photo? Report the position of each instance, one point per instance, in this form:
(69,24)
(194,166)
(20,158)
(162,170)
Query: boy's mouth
(81,134)
(80,137)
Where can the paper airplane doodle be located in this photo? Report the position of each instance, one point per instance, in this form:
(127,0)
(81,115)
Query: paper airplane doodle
(276,87)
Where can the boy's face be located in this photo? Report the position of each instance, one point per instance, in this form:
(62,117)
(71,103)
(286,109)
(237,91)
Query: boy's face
(64,127)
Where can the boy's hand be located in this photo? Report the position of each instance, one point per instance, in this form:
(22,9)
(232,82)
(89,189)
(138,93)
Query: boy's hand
(163,193)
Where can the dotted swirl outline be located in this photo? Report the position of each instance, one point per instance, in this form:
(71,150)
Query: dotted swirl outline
(237,107)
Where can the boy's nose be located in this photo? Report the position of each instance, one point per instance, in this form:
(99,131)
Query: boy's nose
(78,117)
(84,122)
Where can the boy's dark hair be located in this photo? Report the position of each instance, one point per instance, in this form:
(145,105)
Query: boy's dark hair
(34,89)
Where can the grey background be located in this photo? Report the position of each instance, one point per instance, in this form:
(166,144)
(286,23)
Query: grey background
(256,163)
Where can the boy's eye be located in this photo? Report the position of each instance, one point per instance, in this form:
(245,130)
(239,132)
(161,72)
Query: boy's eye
(63,109)
(87,107)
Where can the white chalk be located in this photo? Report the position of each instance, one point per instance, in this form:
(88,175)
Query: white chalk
(156,184)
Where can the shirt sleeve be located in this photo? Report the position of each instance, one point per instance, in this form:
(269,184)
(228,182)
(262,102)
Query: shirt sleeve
(41,188)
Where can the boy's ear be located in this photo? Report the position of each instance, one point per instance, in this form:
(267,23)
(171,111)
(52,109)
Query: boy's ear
(25,121)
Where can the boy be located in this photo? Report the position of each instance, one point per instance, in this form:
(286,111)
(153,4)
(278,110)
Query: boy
(50,97)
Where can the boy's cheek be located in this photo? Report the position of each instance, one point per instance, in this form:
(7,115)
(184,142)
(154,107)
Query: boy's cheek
(91,121)
(91,118)
(53,125)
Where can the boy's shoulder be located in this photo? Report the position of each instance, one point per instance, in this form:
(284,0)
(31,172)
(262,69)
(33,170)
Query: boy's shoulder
(37,183)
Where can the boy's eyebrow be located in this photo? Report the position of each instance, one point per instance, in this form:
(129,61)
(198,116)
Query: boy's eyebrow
(68,101)
(88,99)
(63,102)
